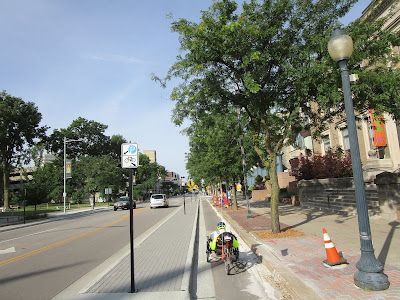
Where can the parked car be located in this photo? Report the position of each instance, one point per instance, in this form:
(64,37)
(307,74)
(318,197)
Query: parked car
(123,203)
(157,200)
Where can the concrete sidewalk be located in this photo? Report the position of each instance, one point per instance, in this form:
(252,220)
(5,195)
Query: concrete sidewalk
(297,262)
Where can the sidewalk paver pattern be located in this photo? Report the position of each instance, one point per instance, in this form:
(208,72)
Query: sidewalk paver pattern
(159,267)
(305,255)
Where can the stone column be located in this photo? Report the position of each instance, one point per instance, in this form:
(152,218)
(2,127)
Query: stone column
(388,185)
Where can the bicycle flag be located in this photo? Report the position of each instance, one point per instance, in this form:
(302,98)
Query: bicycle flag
(224,199)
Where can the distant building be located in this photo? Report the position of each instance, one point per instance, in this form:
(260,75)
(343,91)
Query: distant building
(382,155)
(151,154)
(17,178)
(173,177)
(47,158)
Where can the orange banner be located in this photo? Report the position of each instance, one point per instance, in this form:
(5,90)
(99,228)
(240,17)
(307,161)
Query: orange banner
(378,129)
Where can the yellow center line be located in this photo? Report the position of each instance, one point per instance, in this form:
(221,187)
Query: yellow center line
(67,240)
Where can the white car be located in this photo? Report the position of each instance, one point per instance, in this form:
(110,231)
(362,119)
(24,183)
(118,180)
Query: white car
(157,200)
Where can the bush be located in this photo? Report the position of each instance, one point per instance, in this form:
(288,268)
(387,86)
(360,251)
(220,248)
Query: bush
(334,164)
(259,178)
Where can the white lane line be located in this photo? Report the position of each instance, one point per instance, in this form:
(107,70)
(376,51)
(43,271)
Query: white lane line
(9,250)
(36,233)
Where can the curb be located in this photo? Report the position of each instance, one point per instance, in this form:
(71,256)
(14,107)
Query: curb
(283,276)
(192,254)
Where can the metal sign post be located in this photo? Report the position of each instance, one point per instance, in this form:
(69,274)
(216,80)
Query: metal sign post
(130,160)
(108,191)
(131,233)
(184,203)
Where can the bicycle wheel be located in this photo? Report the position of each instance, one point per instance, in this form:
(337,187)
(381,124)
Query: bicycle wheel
(228,264)
(208,251)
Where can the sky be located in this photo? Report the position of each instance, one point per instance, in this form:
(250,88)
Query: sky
(94,59)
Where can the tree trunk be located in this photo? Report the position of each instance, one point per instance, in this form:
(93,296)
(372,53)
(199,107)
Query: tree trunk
(5,186)
(274,182)
(274,196)
(235,206)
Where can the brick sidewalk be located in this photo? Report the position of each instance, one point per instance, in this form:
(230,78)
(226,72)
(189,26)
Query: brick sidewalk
(256,223)
(304,256)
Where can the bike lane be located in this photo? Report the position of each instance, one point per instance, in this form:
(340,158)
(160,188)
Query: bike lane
(247,279)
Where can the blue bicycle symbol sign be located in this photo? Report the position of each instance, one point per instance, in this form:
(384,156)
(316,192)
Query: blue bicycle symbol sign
(129,155)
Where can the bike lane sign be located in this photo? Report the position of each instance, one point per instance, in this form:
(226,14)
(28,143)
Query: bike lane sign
(129,155)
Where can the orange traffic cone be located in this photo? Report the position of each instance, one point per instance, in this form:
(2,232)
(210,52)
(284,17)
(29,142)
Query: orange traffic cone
(219,203)
(334,258)
(215,200)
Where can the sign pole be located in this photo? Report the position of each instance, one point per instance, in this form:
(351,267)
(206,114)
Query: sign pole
(131,233)
(184,203)
(130,160)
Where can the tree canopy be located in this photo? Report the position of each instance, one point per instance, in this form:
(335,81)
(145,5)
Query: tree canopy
(19,131)
(94,141)
(270,59)
(147,176)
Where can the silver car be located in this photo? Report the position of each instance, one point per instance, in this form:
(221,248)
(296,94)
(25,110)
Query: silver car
(123,203)
(157,200)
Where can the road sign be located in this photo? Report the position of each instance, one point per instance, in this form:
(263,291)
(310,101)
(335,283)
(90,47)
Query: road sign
(190,184)
(129,155)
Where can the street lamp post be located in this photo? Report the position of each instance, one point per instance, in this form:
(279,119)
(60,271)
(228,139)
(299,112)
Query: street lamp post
(370,275)
(244,165)
(65,167)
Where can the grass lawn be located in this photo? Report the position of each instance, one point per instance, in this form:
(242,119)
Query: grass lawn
(46,208)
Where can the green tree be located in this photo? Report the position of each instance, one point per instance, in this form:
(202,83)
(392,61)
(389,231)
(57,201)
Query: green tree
(215,154)
(95,142)
(93,148)
(99,173)
(115,146)
(44,185)
(19,130)
(271,60)
(147,176)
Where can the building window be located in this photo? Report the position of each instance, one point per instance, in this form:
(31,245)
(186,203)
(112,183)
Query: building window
(299,142)
(346,140)
(326,142)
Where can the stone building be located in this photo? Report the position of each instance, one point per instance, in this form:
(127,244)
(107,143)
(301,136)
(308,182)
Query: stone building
(376,157)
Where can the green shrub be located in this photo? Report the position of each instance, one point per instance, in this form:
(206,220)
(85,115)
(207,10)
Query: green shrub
(259,178)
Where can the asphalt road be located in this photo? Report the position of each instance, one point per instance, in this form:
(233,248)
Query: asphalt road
(39,261)
(49,257)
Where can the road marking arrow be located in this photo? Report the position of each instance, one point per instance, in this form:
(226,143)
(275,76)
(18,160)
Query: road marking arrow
(9,250)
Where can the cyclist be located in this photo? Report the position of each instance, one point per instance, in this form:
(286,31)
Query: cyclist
(215,234)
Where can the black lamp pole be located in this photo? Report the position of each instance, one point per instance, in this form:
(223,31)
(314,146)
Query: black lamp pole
(244,164)
(370,275)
